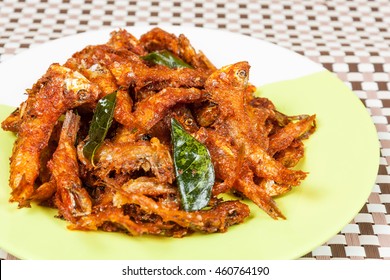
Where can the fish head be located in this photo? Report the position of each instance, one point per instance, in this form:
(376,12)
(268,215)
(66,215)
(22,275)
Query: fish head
(234,75)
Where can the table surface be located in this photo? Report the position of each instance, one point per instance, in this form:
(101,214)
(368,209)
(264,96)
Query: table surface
(348,37)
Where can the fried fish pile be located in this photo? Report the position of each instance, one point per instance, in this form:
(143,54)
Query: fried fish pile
(130,186)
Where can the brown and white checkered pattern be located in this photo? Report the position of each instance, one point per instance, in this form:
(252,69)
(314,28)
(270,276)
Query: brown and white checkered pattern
(349,37)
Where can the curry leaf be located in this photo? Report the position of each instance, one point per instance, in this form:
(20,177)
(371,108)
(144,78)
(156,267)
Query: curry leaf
(100,124)
(193,168)
(166,58)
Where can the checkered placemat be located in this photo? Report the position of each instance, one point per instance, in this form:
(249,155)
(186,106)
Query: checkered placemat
(349,37)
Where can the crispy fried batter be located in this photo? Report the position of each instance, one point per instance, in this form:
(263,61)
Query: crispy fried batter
(88,63)
(227,88)
(182,114)
(151,110)
(59,90)
(12,122)
(283,138)
(130,157)
(131,71)
(122,39)
(216,219)
(130,185)
(158,39)
(113,219)
(71,199)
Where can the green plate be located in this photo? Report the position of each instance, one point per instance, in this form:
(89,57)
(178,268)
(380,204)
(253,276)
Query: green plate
(342,158)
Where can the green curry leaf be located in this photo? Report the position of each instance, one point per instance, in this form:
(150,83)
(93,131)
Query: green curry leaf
(101,122)
(193,168)
(165,58)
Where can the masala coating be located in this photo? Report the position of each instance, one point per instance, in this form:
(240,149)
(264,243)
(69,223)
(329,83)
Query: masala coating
(130,186)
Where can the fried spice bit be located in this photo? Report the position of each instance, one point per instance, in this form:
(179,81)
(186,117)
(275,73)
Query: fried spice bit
(131,185)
